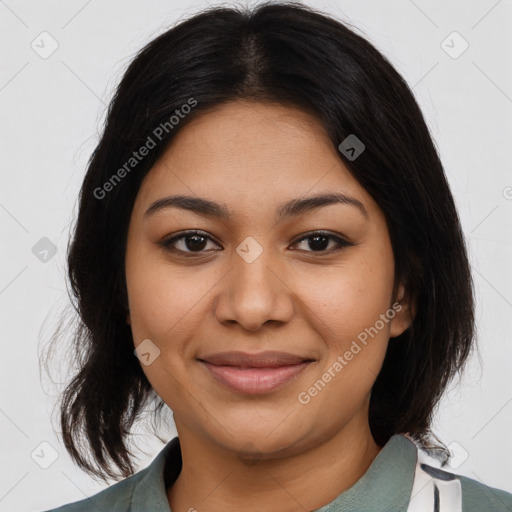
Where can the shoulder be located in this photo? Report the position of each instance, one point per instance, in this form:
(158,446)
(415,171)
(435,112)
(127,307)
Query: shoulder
(478,496)
(115,498)
(142,490)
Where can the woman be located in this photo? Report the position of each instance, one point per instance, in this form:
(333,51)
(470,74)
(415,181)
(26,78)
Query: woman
(266,225)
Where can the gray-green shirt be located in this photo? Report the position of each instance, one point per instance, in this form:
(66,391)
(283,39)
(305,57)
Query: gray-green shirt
(386,486)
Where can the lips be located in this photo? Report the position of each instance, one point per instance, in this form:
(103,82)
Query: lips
(254,373)
(269,359)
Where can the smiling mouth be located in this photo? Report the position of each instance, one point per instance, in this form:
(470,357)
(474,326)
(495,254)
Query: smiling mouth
(254,373)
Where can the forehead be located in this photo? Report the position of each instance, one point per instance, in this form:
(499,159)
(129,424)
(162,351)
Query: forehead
(252,136)
(247,153)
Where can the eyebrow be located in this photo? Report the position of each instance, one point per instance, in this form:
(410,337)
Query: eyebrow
(285,210)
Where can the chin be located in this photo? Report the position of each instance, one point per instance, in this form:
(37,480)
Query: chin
(259,444)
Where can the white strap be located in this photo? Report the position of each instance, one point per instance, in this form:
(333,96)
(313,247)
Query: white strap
(434,489)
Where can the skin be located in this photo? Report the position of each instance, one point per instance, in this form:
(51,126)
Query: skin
(261,452)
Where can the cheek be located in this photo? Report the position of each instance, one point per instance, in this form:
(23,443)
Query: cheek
(166,302)
(347,302)
(350,298)
(347,306)
(165,307)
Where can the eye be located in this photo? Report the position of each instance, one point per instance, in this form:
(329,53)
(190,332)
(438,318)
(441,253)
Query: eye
(187,242)
(196,241)
(319,241)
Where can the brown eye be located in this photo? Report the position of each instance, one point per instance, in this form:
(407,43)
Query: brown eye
(319,242)
(188,242)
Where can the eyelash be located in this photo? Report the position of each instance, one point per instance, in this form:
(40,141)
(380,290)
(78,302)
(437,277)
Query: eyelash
(167,243)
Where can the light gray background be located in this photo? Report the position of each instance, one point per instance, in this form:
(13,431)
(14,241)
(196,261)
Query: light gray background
(51,110)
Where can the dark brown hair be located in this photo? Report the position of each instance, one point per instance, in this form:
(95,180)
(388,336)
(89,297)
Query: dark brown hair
(283,53)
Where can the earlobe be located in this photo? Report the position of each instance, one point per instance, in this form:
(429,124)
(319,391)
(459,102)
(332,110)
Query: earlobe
(403,316)
(401,321)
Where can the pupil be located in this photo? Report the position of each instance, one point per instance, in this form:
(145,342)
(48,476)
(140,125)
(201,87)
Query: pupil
(315,246)
(197,244)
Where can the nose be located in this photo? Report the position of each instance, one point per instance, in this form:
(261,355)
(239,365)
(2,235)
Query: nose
(254,293)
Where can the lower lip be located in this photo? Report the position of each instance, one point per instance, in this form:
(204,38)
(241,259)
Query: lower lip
(255,381)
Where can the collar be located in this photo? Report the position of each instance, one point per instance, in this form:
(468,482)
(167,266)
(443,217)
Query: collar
(150,492)
(386,484)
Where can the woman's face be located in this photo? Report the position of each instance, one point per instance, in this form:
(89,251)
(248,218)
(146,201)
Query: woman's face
(260,278)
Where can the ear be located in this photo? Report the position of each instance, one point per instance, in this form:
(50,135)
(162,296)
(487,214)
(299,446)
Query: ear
(404,313)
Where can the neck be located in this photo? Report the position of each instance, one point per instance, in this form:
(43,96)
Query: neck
(213,478)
